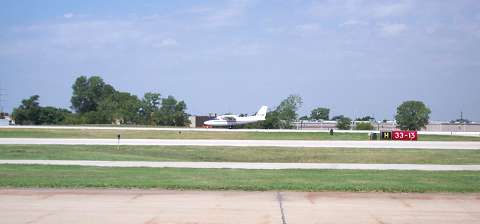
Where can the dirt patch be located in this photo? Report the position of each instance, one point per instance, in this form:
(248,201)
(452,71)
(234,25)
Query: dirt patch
(311,197)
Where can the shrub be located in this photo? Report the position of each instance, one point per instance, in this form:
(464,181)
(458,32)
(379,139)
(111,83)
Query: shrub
(364,126)
(344,123)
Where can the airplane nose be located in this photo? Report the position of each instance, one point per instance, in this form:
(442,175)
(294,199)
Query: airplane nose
(207,123)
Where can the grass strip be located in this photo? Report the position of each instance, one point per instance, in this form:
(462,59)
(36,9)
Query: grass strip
(239,154)
(232,179)
(153,134)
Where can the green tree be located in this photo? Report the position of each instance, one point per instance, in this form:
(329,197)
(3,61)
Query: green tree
(96,102)
(366,118)
(28,112)
(89,92)
(412,115)
(165,115)
(286,112)
(52,115)
(171,113)
(282,116)
(96,117)
(344,123)
(272,121)
(303,118)
(120,107)
(180,116)
(99,103)
(128,110)
(320,113)
(337,117)
(150,104)
(73,118)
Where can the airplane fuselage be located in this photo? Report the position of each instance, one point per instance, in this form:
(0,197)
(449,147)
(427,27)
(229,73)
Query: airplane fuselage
(237,121)
(232,120)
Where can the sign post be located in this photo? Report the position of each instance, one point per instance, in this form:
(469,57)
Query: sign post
(404,135)
(118,141)
(399,135)
(386,135)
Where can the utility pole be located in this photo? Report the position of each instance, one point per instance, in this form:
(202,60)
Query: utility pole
(2,99)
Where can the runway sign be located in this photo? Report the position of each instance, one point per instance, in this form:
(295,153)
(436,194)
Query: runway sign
(386,135)
(404,135)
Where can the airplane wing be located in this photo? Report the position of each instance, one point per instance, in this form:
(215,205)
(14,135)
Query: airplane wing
(229,117)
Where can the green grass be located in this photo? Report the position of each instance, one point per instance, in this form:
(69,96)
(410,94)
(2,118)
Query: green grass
(239,154)
(152,134)
(231,179)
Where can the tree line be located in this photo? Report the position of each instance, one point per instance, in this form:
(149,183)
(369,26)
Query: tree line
(95,102)
(411,115)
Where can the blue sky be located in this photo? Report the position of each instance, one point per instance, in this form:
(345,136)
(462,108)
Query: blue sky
(356,57)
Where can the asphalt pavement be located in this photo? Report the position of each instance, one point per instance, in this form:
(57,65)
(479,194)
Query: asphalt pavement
(249,166)
(163,206)
(475,145)
(135,128)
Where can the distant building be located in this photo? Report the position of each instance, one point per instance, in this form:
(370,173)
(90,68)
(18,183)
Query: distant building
(3,115)
(197,121)
(5,119)
(391,125)
(327,125)
(452,127)
(315,125)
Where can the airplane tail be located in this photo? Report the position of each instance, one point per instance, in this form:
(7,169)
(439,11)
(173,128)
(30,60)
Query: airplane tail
(262,112)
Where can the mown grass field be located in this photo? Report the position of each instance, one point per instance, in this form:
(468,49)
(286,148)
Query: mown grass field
(231,179)
(154,134)
(239,154)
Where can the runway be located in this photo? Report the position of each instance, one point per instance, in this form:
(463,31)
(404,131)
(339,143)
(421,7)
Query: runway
(251,143)
(163,206)
(221,129)
(249,166)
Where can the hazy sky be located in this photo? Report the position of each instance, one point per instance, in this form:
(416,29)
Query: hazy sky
(356,57)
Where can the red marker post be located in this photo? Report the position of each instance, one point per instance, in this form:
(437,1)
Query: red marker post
(404,135)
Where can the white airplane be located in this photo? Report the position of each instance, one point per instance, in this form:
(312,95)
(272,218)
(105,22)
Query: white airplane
(232,120)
